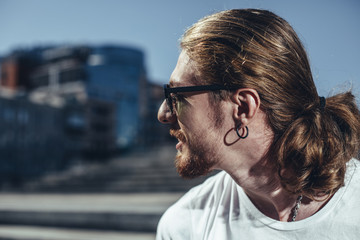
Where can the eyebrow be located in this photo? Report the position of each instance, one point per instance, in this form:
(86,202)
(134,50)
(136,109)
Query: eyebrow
(173,83)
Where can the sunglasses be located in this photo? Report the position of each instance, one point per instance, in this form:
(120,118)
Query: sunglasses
(170,99)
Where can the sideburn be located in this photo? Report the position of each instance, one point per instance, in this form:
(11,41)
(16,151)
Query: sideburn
(215,99)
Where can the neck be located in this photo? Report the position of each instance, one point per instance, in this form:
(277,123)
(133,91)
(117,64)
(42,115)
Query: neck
(278,205)
(264,189)
(247,163)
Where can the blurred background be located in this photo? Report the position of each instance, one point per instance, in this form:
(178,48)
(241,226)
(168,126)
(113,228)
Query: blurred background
(82,155)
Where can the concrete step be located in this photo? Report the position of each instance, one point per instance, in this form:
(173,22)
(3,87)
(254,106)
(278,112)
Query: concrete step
(151,171)
(14,232)
(158,184)
(116,212)
(149,180)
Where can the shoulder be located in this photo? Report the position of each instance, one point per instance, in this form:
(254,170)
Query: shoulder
(211,186)
(174,224)
(177,221)
(201,195)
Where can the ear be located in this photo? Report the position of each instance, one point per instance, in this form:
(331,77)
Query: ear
(246,104)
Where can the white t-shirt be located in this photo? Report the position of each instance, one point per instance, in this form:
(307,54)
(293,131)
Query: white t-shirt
(219,209)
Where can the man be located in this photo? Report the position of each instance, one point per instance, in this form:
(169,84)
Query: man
(242,99)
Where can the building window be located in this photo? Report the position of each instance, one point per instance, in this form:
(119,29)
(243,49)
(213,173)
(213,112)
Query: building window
(72,75)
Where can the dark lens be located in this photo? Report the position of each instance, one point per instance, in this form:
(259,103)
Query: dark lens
(169,102)
(168,97)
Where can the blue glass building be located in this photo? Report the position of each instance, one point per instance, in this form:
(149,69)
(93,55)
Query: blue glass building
(118,75)
(103,89)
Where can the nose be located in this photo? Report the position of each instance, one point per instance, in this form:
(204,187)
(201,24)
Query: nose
(164,114)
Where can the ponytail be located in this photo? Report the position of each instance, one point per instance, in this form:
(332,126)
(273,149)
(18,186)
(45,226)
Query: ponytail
(315,148)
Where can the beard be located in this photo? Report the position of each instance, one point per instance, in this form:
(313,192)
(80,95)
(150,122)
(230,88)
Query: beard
(197,160)
(197,156)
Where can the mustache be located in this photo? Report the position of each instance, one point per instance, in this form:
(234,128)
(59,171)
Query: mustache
(178,134)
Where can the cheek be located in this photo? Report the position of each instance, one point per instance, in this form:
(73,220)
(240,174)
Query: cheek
(187,119)
(180,107)
(192,113)
(183,110)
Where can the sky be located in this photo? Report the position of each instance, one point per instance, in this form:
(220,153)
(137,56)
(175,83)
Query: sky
(329,30)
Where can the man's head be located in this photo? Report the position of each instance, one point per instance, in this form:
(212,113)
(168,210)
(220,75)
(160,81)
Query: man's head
(236,49)
(256,49)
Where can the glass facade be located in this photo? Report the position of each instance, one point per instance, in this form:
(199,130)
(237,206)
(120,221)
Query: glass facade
(114,74)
